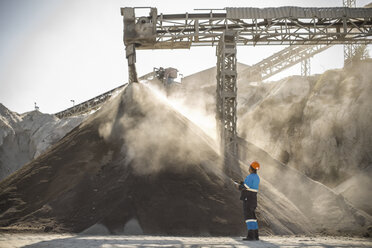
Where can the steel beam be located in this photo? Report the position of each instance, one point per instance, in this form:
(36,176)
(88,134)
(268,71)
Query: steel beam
(226,98)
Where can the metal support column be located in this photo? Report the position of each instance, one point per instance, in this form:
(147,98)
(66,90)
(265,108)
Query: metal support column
(349,49)
(349,3)
(349,53)
(305,67)
(226,98)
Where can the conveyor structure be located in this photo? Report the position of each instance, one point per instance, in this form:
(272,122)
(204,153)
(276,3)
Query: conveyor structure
(282,60)
(260,71)
(308,31)
(165,75)
(89,105)
(232,27)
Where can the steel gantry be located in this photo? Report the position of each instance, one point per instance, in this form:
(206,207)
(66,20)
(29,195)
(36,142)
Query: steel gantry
(254,26)
(241,26)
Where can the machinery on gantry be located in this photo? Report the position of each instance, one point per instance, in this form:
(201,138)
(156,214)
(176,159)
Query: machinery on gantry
(241,26)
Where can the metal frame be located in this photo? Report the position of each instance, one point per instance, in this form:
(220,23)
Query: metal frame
(89,105)
(305,67)
(335,26)
(349,49)
(95,102)
(349,3)
(226,97)
(280,61)
(251,26)
(258,72)
(239,26)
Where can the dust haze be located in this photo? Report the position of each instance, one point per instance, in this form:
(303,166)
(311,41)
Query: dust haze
(319,125)
(158,147)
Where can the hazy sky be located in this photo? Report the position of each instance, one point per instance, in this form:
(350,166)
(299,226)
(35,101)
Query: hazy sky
(54,51)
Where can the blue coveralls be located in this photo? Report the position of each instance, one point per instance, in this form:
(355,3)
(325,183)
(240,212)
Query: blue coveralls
(249,198)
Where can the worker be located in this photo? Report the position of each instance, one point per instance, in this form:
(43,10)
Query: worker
(249,189)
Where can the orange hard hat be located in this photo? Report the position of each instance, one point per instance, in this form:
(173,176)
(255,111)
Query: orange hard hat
(255,165)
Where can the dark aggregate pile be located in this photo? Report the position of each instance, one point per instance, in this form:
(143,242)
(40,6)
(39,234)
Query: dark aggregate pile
(100,173)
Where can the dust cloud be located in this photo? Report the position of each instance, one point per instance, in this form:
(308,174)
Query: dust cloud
(147,109)
(194,107)
(319,125)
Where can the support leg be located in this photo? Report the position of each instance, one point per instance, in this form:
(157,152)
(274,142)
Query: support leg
(226,100)
(305,67)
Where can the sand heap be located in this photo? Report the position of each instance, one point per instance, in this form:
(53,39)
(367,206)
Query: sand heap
(136,159)
(23,137)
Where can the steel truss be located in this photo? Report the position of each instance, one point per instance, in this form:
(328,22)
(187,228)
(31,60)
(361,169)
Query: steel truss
(335,26)
(251,26)
(89,105)
(349,3)
(226,97)
(349,53)
(305,67)
(96,102)
(280,61)
(350,50)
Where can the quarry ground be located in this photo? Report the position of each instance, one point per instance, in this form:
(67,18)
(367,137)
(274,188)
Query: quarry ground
(66,240)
